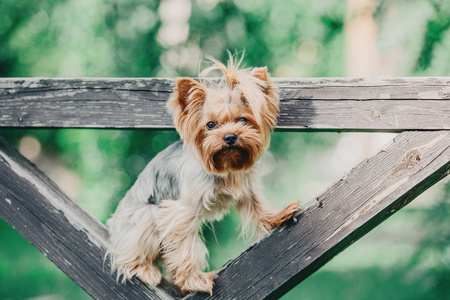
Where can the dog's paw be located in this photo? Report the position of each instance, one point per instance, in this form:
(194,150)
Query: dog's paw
(199,282)
(149,274)
(290,210)
(276,219)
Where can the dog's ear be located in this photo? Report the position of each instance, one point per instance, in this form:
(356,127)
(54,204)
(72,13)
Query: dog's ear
(186,104)
(188,92)
(260,73)
(270,111)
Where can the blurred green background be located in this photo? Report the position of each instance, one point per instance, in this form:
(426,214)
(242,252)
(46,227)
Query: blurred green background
(406,257)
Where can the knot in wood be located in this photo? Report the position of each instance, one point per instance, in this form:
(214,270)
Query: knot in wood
(376,114)
(411,159)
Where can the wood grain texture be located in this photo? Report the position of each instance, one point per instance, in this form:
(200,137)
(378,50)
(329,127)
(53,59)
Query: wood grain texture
(65,233)
(329,104)
(366,196)
(350,208)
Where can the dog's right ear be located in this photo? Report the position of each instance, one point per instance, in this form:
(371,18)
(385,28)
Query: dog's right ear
(185,104)
(187,95)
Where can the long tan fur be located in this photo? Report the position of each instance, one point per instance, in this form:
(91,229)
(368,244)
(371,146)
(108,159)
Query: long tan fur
(224,132)
(255,84)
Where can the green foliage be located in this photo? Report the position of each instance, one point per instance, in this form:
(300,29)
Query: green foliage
(294,38)
(431,260)
(436,26)
(25,272)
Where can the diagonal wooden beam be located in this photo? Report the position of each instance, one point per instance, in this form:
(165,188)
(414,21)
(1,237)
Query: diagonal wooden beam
(65,233)
(366,196)
(350,208)
(330,104)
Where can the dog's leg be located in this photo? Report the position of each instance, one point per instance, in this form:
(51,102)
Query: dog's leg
(183,251)
(135,245)
(257,215)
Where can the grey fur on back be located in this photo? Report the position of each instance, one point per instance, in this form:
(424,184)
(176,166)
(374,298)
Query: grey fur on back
(160,179)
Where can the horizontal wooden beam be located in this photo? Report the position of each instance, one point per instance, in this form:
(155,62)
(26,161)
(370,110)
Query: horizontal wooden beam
(328,104)
(64,232)
(350,208)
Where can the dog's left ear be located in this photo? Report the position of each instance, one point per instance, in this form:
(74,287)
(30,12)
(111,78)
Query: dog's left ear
(270,114)
(260,73)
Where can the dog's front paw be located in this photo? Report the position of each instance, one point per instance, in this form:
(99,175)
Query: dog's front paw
(276,219)
(196,282)
(290,210)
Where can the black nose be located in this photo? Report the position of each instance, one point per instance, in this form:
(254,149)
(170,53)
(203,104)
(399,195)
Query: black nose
(230,139)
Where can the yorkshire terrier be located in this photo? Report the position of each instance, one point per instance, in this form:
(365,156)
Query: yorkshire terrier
(224,131)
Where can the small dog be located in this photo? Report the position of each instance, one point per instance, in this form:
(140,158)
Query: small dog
(193,181)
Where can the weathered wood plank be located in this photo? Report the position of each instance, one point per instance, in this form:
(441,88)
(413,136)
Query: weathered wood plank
(363,198)
(329,104)
(65,233)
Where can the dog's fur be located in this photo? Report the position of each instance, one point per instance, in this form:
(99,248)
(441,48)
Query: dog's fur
(197,179)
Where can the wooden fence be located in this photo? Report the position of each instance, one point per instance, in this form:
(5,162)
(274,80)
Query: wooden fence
(419,156)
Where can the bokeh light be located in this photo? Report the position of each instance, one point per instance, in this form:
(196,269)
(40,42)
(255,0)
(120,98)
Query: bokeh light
(408,255)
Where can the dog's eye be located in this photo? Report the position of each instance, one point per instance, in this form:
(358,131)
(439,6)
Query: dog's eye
(243,120)
(210,125)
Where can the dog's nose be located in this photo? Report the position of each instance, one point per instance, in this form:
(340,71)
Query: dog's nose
(230,139)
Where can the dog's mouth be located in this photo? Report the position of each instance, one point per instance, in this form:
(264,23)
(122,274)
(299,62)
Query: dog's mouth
(232,158)
(229,148)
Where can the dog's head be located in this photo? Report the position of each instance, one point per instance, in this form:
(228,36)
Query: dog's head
(228,129)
